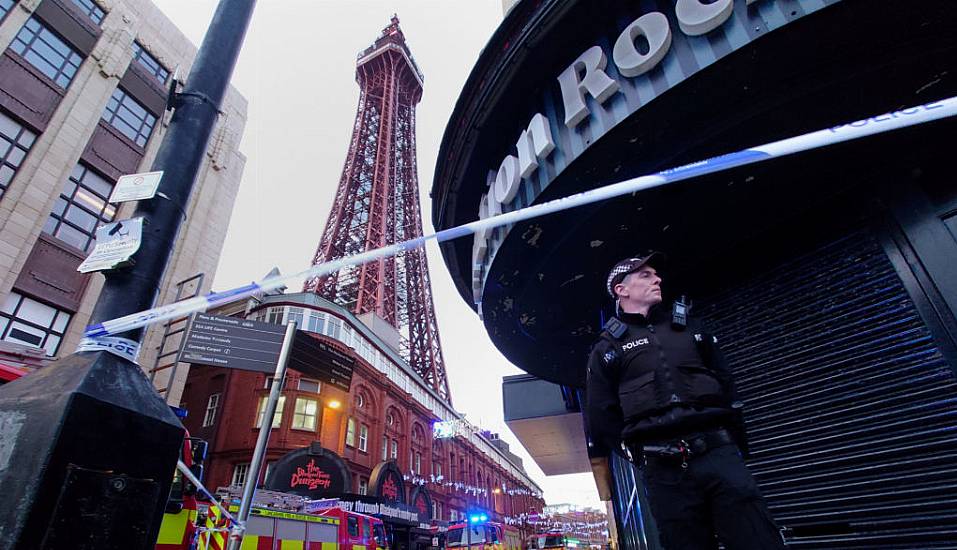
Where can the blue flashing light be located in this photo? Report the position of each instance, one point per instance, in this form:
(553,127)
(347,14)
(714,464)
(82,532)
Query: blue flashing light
(478,518)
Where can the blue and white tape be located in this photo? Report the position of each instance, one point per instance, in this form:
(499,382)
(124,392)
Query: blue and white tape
(845,132)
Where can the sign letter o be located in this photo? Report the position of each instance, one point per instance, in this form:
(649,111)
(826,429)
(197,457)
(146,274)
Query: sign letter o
(696,18)
(654,27)
(507,180)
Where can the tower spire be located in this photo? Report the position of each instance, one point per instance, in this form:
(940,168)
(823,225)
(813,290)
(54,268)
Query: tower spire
(377,204)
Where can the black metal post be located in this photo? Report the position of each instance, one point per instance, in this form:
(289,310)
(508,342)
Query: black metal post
(87,446)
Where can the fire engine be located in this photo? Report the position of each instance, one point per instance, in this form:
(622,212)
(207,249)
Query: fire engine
(484,535)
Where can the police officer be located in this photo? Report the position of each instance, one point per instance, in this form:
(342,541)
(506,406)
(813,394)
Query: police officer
(658,384)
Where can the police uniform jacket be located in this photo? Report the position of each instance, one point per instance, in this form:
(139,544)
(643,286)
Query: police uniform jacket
(655,383)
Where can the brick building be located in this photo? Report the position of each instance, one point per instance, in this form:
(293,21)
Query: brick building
(387,415)
(83,89)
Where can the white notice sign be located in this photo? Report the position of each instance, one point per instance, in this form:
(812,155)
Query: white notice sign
(136,187)
(115,245)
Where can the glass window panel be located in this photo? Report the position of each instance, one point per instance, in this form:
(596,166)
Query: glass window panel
(15,155)
(25,334)
(150,63)
(50,226)
(99,185)
(47,52)
(93,11)
(129,117)
(308,385)
(27,138)
(88,200)
(37,313)
(82,218)
(52,344)
(61,322)
(73,236)
(9,127)
(261,411)
(3,324)
(6,175)
(10,304)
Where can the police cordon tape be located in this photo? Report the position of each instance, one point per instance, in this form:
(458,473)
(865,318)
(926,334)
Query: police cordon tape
(886,122)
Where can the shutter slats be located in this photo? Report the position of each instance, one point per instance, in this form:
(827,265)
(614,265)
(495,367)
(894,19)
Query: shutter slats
(851,409)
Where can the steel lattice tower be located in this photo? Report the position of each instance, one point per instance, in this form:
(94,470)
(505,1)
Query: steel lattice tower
(377,204)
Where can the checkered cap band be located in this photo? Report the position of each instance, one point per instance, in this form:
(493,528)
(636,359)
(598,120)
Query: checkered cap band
(622,269)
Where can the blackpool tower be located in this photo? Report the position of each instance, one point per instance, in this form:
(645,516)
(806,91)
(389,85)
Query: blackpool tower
(377,204)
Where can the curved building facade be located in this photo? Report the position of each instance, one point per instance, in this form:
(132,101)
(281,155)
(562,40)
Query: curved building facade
(828,276)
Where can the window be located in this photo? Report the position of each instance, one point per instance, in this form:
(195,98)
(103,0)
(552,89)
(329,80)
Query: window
(353,523)
(311,386)
(26,321)
(418,463)
(351,432)
(453,515)
(211,407)
(129,117)
(149,63)
(269,380)
(5,6)
(363,486)
(332,329)
(395,449)
(295,314)
(316,322)
(47,52)
(304,417)
(360,401)
(81,208)
(239,474)
(363,438)
(389,419)
(276,417)
(385,448)
(90,8)
(15,143)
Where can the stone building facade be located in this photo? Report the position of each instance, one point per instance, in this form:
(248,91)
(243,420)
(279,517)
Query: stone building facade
(83,90)
(387,415)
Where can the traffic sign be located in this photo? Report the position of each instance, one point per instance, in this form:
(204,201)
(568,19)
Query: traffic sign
(232,342)
(136,187)
(319,360)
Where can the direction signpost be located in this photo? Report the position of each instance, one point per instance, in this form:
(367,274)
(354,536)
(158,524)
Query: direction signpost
(236,343)
(232,342)
(321,361)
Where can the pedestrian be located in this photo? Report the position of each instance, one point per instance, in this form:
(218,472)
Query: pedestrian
(659,387)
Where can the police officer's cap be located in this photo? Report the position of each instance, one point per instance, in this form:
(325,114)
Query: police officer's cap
(630,265)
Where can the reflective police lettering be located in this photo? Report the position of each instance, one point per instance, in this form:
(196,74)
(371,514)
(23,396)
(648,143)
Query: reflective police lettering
(635,343)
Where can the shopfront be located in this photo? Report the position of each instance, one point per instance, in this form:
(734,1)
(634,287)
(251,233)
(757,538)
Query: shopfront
(830,277)
(406,512)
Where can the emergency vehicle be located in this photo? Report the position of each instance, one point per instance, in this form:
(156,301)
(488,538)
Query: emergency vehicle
(178,530)
(269,529)
(546,540)
(483,536)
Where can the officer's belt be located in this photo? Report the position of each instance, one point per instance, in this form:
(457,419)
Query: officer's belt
(692,445)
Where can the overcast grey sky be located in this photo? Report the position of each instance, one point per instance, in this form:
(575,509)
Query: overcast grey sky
(297,69)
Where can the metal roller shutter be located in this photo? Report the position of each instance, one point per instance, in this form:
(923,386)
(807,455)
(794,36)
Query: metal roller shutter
(850,406)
